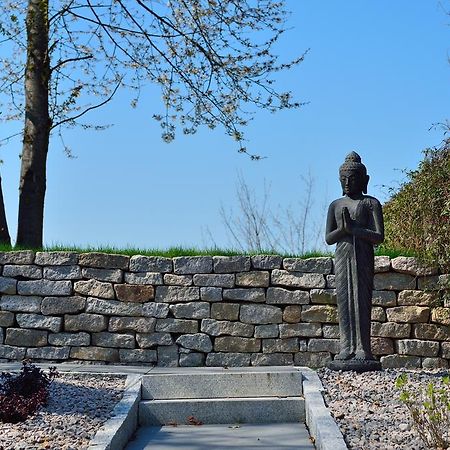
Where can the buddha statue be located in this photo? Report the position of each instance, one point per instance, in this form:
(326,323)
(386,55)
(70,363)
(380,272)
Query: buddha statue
(355,225)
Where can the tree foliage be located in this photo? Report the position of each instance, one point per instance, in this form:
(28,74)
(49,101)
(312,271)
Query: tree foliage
(417,216)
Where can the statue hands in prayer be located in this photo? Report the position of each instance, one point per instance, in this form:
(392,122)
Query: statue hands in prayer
(355,224)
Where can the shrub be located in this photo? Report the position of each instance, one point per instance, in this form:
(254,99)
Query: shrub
(430,410)
(417,216)
(23,394)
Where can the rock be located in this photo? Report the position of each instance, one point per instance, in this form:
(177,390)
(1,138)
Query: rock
(231,264)
(20,304)
(177,294)
(434,363)
(94,288)
(192,360)
(62,305)
(228,359)
(146,340)
(218,328)
(378,314)
(95,354)
(176,325)
(138,324)
(110,275)
(400,361)
(314,360)
(14,353)
(445,346)
(6,318)
(280,345)
(56,258)
(75,339)
(104,260)
(382,346)
(25,271)
(272,359)
(384,298)
(266,331)
(85,322)
(260,314)
(19,257)
(168,356)
(440,315)
(319,313)
(198,341)
(416,347)
(114,340)
(44,287)
(431,332)
(322,265)
(8,285)
(330,331)
(292,314)
(225,311)
(235,344)
(409,265)
(178,280)
(323,296)
(159,310)
(62,273)
(330,282)
(185,265)
(417,298)
(26,338)
(139,263)
(137,356)
(298,279)
(113,307)
(193,310)
(211,294)
(40,322)
(323,345)
(266,262)
(382,264)
(408,314)
(134,293)
(276,295)
(253,279)
(391,330)
(393,281)
(152,278)
(214,280)
(300,330)
(52,353)
(245,294)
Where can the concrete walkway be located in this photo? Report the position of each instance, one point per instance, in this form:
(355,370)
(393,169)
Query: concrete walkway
(289,436)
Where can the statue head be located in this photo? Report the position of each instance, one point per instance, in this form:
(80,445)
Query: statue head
(353,175)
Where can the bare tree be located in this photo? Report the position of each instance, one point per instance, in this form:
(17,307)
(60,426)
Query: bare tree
(213,60)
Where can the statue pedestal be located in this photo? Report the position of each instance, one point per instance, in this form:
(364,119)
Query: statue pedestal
(362,365)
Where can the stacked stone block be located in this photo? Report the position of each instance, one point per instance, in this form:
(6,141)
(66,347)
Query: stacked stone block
(214,311)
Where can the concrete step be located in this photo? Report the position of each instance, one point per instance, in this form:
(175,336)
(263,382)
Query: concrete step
(203,382)
(286,436)
(222,410)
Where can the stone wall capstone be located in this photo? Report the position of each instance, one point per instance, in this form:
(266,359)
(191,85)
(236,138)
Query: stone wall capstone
(210,310)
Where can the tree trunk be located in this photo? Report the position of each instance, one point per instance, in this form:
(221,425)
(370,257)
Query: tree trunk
(4,233)
(37,128)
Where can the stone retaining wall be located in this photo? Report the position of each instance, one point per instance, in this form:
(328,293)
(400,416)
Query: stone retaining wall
(214,311)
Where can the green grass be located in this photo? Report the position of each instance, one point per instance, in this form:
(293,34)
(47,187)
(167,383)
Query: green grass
(191,251)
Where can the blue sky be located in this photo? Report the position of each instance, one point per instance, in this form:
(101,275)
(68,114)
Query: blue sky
(376,79)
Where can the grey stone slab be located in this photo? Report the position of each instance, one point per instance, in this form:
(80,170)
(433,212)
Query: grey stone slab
(25,271)
(154,278)
(266,262)
(185,265)
(219,410)
(56,258)
(18,303)
(104,260)
(223,437)
(231,264)
(62,273)
(139,263)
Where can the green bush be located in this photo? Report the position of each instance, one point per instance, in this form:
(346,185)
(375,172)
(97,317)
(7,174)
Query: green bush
(417,216)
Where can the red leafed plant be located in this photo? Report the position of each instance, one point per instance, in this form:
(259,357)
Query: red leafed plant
(21,395)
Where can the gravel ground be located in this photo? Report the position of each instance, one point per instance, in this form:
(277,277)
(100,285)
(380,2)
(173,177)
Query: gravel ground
(78,405)
(368,410)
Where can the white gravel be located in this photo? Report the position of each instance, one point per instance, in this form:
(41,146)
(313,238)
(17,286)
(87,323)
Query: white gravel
(78,405)
(368,410)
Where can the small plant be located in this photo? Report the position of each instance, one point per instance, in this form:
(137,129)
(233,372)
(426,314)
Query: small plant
(430,410)
(21,395)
